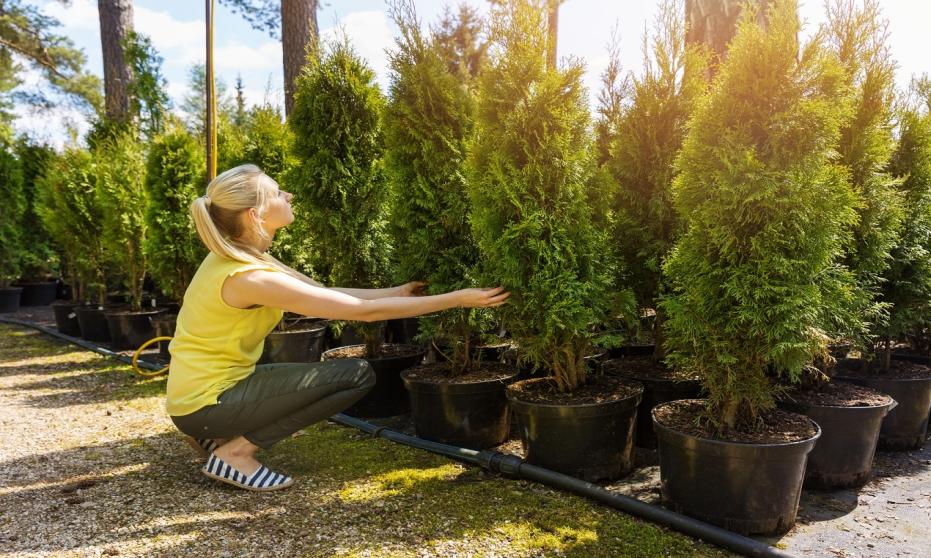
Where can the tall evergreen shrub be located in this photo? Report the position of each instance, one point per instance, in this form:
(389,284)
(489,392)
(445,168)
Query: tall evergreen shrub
(120,174)
(40,260)
(339,181)
(530,164)
(173,179)
(766,212)
(428,121)
(12,210)
(70,212)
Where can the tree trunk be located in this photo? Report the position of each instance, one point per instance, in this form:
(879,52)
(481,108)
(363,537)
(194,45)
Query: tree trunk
(553,28)
(116,21)
(714,22)
(298,32)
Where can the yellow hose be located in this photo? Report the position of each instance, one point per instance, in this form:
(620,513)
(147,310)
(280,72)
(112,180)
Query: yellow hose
(141,371)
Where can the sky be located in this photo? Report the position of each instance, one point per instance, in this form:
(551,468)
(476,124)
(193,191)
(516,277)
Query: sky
(177,30)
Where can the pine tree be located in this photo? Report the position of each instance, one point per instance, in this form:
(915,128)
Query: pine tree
(766,214)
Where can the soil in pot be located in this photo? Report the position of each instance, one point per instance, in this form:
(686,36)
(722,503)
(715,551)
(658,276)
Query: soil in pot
(66,319)
(850,417)
(302,341)
(129,330)
(748,483)
(909,383)
(468,410)
(92,322)
(38,294)
(388,397)
(660,384)
(9,299)
(588,433)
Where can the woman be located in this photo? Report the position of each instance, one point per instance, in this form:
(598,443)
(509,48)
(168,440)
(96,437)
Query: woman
(216,394)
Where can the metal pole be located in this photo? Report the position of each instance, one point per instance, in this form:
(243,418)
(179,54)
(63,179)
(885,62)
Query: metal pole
(211,105)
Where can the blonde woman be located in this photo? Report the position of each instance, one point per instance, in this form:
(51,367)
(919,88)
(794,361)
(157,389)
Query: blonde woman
(216,394)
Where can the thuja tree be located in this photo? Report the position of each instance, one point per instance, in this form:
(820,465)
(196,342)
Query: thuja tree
(529,166)
(859,36)
(120,173)
(640,144)
(907,281)
(39,260)
(70,212)
(173,178)
(339,181)
(12,210)
(765,210)
(428,121)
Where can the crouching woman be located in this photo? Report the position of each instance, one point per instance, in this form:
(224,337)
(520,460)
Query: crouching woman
(216,394)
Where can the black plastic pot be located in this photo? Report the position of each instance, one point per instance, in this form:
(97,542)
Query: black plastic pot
(66,319)
(631,350)
(402,331)
(593,442)
(745,488)
(655,392)
(38,294)
(129,330)
(388,397)
(906,426)
(843,456)
(9,299)
(304,345)
(472,415)
(92,323)
(164,325)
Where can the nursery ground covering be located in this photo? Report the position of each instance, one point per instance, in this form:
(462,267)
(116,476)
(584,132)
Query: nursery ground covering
(90,466)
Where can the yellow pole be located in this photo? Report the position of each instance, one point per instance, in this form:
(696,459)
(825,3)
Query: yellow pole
(211,99)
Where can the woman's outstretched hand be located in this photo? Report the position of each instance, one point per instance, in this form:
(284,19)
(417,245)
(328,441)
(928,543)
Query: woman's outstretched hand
(483,298)
(414,288)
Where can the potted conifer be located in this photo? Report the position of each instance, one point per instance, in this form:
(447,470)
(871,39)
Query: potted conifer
(339,185)
(12,210)
(428,120)
(530,166)
(638,147)
(121,168)
(40,264)
(766,212)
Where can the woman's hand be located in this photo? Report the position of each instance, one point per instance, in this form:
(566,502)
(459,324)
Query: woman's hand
(414,288)
(482,298)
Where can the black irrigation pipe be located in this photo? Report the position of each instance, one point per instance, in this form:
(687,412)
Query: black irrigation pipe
(512,466)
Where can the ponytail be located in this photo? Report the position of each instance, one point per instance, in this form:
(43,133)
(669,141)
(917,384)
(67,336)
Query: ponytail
(218,215)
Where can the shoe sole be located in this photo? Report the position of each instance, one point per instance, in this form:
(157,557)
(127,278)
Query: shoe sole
(231,482)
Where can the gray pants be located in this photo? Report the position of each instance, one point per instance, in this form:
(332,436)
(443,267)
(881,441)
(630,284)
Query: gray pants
(277,400)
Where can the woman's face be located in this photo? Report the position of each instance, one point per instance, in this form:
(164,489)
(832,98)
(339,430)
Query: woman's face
(278,213)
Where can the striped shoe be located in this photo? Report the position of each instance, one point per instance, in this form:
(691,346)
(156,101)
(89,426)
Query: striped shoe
(262,480)
(203,446)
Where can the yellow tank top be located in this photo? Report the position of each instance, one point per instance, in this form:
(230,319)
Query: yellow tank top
(215,345)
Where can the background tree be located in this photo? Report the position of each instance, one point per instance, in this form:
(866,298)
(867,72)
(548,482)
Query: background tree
(39,260)
(859,37)
(339,180)
(766,213)
(713,23)
(639,146)
(460,39)
(12,209)
(530,165)
(428,122)
(116,23)
(120,174)
(174,177)
(149,103)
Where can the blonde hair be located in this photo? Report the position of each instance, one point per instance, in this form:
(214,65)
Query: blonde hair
(218,215)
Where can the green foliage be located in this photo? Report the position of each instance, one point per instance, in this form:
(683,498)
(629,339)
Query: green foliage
(907,281)
(12,210)
(339,182)
(148,98)
(459,39)
(859,37)
(428,121)
(530,165)
(70,212)
(120,174)
(39,260)
(767,214)
(174,177)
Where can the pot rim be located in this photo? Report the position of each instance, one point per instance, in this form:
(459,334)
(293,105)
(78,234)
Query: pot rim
(634,383)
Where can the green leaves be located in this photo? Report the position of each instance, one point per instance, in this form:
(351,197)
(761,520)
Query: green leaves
(12,210)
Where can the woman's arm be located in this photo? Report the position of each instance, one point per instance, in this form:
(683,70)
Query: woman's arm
(414,288)
(279,290)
